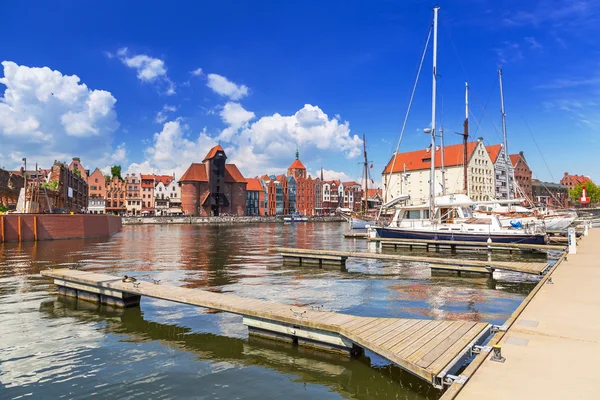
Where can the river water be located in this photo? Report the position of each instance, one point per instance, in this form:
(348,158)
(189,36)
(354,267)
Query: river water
(53,347)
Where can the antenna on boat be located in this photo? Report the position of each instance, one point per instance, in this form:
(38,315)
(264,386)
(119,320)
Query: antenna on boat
(506,157)
(433,116)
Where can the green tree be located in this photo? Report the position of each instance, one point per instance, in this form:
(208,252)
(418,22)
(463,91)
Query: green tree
(115,170)
(592,191)
(50,185)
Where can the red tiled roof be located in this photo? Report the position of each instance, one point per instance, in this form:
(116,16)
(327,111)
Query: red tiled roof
(494,151)
(574,180)
(373,192)
(421,159)
(351,183)
(254,185)
(195,173)
(213,152)
(281,177)
(165,179)
(233,174)
(297,165)
(514,158)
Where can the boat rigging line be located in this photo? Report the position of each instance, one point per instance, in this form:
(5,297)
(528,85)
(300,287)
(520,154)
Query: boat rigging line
(412,96)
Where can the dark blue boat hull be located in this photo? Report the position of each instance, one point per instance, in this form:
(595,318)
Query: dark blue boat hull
(394,233)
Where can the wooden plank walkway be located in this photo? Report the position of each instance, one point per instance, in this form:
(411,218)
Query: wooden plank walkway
(428,349)
(459,244)
(356,235)
(536,268)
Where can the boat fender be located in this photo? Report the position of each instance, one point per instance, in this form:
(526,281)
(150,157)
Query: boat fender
(515,224)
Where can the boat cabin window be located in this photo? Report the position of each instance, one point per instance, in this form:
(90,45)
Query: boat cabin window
(412,214)
(466,212)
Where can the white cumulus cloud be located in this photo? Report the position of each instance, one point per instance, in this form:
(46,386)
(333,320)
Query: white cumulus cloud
(172,151)
(270,142)
(161,116)
(149,69)
(45,115)
(224,87)
(235,117)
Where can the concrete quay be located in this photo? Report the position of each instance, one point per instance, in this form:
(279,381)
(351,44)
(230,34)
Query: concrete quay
(220,220)
(552,349)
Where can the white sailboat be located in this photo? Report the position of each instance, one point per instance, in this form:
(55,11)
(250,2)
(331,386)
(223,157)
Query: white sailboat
(362,220)
(450,217)
(512,214)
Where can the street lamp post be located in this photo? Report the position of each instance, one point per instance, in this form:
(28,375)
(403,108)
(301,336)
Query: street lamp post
(25,184)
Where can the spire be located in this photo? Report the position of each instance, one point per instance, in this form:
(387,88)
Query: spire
(297,153)
(321,173)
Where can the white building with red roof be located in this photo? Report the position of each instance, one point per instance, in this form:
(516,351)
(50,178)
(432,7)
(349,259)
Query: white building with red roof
(408,173)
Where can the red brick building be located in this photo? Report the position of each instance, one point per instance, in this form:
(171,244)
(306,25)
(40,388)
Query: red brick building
(96,192)
(213,188)
(570,181)
(305,187)
(522,174)
(76,165)
(72,189)
(116,190)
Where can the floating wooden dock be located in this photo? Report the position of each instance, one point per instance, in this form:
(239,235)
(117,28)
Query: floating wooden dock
(431,350)
(356,235)
(332,257)
(453,244)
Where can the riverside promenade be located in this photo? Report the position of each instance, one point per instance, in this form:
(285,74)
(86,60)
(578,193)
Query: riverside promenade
(552,349)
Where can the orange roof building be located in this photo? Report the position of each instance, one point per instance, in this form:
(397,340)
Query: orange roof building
(297,169)
(213,188)
(256,197)
(571,181)
(408,173)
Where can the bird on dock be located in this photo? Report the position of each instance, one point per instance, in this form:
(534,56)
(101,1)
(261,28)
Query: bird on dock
(129,279)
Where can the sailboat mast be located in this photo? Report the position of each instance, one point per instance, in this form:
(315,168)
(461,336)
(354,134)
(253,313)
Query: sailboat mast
(366,171)
(433,110)
(506,158)
(466,137)
(442,151)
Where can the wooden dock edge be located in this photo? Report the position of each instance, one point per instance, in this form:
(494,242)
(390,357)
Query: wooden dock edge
(467,245)
(318,333)
(321,256)
(472,368)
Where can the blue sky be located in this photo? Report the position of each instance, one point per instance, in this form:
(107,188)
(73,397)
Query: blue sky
(166,81)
